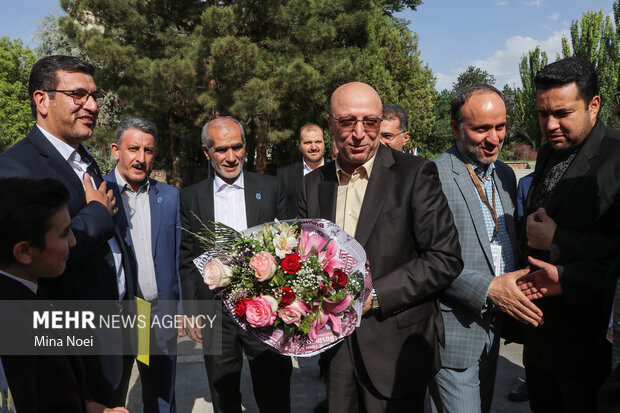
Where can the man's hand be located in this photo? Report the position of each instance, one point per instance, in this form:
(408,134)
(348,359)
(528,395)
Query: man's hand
(544,282)
(506,295)
(193,328)
(181,326)
(99,195)
(368,304)
(540,230)
(94,407)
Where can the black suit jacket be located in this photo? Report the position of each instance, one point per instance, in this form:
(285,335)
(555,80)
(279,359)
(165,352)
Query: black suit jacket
(90,272)
(264,201)
(50,383)
(291,177)
(586,208)
(407,230)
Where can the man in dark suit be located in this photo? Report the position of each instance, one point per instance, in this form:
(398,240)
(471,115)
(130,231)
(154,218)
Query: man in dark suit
(393,205)
(63,97)
(150,222)
(239,199)
(35,238)
(573,235)
(312,148)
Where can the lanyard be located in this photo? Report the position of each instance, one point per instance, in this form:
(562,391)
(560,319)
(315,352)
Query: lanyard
(484,198)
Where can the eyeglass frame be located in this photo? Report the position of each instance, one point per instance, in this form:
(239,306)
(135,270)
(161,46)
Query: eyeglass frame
(355,120)
(391,138)
(97,94)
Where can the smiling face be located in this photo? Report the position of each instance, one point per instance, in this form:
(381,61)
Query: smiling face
(483,128)
(51,261)
(69,122)
(227,149)
(565,118)
(135,155)
(312,146)
(392,135)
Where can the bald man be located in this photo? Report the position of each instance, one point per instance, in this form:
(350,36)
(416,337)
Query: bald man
(393,205)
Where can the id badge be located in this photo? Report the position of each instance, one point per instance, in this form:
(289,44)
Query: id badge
(496,251)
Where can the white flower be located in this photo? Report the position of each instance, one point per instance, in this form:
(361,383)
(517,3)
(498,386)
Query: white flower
(284,243)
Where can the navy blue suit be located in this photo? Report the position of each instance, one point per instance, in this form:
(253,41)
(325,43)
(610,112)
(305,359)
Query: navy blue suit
(159,377)
(90,272)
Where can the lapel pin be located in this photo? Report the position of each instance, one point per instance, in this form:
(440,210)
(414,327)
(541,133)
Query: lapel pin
(159,200)
(258,195)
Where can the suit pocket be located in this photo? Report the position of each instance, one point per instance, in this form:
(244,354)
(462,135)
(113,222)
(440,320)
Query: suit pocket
(414,314)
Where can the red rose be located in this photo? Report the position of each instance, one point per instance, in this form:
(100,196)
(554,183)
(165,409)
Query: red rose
(290,263)
(240,306)
(288,296)
(339,279)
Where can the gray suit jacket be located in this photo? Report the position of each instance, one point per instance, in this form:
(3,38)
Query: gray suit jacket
(466,318)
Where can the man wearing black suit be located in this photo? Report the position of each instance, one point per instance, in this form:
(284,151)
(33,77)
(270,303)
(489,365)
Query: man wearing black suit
(573,235)
(239,199)
(63,97)
(393,205)
(312,148)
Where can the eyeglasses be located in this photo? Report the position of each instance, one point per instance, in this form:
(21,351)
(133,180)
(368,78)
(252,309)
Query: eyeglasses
(617,95)
(80,96)
(348,124)
(390,136)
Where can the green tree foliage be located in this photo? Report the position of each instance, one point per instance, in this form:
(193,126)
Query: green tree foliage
(596,37)
(271,64)
(472,75)
(15,115)
(526,116)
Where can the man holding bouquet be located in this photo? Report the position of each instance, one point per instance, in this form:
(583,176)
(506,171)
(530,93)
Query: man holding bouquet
(393,205)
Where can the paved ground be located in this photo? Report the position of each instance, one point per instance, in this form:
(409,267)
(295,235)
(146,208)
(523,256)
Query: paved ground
(306,389)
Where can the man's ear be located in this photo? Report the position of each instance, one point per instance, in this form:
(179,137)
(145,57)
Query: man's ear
(206,152)
(22,251)
(455,128)
(41,101)
(594,107)
(114,148)
(405,137)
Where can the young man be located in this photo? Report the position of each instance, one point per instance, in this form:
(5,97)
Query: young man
(35,238)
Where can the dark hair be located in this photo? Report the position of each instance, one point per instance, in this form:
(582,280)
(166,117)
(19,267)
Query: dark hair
(143,125)
(460,98)
(43,74)
(393,111)
(566,71)
(27,207)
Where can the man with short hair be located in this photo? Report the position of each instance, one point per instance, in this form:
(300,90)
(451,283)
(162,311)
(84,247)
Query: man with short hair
(573,236)
(481,193)
(239,199)
(393,205)
(150,222)
(63,97)
(394,127)
(312,148)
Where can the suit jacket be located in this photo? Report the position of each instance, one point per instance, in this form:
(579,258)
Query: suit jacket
(90,272)
(264,201)
(465,315)
(586,208)
(408,233)
(43,383)
(165,244)
(291,177)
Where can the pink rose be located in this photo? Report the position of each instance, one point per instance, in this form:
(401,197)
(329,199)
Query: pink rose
(261,311)
(215,274)
(264,265)
(292,313)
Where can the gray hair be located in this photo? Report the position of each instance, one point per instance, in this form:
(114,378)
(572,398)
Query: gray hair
(460,98)
(207,140)
(141,124)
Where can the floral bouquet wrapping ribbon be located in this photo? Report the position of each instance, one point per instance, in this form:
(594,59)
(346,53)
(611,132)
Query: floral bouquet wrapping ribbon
(298,286)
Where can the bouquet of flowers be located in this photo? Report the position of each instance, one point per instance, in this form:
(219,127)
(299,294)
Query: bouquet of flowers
(298,286)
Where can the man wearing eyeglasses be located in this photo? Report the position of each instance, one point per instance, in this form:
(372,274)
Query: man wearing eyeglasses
(393,205)
(394,127)
(63,98)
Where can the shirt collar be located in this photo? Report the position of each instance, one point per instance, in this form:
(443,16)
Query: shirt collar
(365,170)
(66,150)
(123,185)
(478,168)
(219,183)
(32,286)
(307,168)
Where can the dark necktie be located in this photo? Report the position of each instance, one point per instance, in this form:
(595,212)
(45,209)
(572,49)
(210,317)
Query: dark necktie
(92,169)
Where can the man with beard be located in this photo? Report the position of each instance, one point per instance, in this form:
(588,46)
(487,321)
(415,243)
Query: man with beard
(573,235)
(312,148)
(481,193)
(241,200)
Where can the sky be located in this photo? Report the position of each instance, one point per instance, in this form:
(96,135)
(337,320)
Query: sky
(453,34)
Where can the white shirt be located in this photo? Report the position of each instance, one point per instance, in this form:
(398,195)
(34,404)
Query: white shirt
(229,203)
(138,213)
(307,169)
(31,286)
(79,166)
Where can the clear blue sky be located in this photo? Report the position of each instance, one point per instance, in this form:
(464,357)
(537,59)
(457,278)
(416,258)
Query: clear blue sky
(453,34)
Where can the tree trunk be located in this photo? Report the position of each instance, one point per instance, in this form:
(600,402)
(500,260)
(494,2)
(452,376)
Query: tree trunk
(176,179)
(261,157)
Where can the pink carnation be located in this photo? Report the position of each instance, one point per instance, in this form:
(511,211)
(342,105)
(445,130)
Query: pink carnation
(264,265)
(261,311)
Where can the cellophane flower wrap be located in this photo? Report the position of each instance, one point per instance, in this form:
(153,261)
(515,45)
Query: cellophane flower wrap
(297,286)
